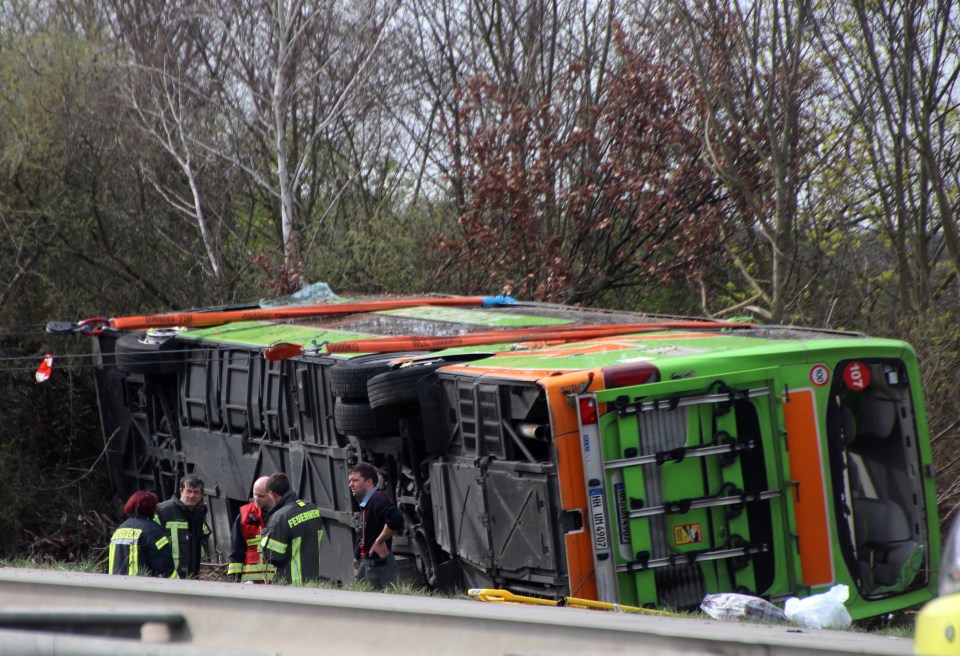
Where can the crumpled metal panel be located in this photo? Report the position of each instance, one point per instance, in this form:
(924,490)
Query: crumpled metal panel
(459,509)
(520,522)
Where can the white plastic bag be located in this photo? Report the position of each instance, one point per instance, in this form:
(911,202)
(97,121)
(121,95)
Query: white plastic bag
(727,606)
(820,611)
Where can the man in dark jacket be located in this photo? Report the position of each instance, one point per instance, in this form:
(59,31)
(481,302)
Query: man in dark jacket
(379,520)
(184,520)
(246,562)
(139,547)
(291,539)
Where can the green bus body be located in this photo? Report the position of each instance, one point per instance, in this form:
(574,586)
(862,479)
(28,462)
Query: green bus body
(647,469)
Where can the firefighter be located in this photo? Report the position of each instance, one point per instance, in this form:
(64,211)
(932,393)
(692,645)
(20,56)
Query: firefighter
(139,547)
(246,563)
(292,537)
(184,520)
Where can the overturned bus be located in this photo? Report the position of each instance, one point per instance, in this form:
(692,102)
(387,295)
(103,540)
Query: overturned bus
(548,450)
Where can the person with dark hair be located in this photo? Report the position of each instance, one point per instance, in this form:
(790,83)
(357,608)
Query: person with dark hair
(378,521)
(139,547)
(184,520)
(246,562)
(292,537)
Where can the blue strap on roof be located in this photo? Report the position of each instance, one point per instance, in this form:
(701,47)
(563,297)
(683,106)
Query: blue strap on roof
(494,301)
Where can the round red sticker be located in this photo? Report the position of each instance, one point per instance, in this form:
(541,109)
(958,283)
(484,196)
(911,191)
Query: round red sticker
(856,376)
(819,375)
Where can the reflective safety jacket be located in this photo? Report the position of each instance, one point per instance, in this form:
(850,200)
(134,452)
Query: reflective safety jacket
(291,540)
(245,561)
(188,532)
(140,548)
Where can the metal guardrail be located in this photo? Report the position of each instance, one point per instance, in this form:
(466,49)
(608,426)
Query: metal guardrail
(242,619)
(45,643)
(117,622)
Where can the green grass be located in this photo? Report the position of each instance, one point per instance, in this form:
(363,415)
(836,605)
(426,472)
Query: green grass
(25,562)
(895,625)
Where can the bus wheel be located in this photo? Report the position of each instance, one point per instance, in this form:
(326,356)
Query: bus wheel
(349,381)
(360,420)
(153,352)
(398,387)
(426,557)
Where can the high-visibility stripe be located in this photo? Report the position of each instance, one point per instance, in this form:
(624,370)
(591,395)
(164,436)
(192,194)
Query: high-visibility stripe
(234,568)
(275,545)
(296,570)
(133,561)
(173,528)
(162,542)
(259,572)
(124,537)
(252,542)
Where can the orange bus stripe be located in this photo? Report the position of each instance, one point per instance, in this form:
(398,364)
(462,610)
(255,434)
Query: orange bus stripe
(573,495)
(810,502)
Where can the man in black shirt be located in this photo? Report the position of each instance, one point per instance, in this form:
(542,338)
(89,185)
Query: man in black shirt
(378,521)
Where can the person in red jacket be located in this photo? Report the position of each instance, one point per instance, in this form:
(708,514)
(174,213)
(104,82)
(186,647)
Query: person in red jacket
(246,563)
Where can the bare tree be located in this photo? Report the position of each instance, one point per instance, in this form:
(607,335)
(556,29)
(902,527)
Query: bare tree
(754,64)
(896,66)
(253,86)
(174,66)
(574,168)
(292,67)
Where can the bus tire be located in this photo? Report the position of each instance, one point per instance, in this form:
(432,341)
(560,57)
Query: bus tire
(360,420)
(348,380)
(136,356)
(399,387)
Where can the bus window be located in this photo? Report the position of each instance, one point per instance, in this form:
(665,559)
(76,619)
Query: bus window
(877,477)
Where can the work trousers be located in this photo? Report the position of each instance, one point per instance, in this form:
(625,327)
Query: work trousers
(379,573)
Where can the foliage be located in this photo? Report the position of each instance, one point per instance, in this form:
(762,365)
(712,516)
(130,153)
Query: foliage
(789,159)
(936,338)
(569,208)
(49,465)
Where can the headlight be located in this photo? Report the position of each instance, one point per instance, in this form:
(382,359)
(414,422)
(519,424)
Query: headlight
(950,563)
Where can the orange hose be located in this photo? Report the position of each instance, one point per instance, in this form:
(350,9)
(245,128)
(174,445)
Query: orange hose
(203,319)
(556,333)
